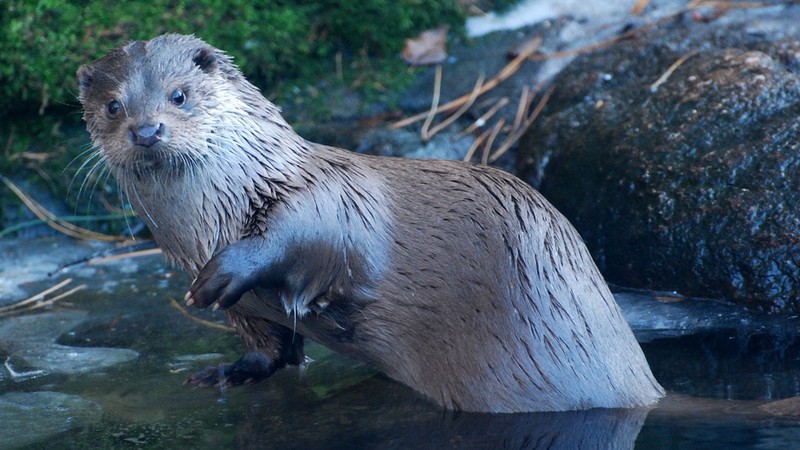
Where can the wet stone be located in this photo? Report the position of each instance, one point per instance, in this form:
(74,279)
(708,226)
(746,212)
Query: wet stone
(29,342)
(30,417)
(690,184)
(406,143)
(24,267)
(657,315)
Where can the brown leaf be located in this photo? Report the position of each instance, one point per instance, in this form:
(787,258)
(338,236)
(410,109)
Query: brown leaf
(427,48)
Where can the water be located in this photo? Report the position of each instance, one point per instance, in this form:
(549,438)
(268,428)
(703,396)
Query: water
(73,390)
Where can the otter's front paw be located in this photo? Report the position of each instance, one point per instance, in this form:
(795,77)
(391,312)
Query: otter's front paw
(224,279)
(251,368)
(211,376)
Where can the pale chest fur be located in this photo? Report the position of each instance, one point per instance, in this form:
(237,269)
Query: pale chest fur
(190,218)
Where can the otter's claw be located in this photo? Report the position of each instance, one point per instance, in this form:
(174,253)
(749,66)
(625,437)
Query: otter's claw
(188,299)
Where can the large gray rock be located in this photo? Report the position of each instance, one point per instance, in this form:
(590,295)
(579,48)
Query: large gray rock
(29,343)
(30,417)
(693,185)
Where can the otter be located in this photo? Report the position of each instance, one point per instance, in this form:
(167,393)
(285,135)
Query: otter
(458,280)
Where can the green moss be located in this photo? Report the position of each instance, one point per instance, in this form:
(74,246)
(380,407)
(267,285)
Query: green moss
(43,42)
(380,26)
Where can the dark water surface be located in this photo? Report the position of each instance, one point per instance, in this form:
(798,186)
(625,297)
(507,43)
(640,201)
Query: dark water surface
(65,386)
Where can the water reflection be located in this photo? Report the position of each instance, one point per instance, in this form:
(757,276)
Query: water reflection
(722,367)
(381,414)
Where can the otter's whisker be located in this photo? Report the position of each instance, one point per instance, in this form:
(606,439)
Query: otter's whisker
(88,155)
(96,172)
(124,200)
(132,187)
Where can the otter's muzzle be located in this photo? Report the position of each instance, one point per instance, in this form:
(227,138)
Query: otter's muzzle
(147,134)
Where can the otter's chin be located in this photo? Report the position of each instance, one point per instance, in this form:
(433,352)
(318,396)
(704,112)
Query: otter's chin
(148,161)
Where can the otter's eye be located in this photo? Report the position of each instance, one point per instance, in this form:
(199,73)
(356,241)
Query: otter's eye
(113,108)
(178,98)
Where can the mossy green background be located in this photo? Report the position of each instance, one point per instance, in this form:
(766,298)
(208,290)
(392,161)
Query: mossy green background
(279,45)
(43,42)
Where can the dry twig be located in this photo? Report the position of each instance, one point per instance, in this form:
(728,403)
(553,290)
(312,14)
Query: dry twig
(630,34)
(727,4)
(490,142)
(38,301)
(474,147)
(639,7)
(207,323)
(481,121)
(134,254)
(665,76)
(437,89)
(453,117)
(53,221)
(721,7)
(515,135)
(521,122)
(507,71)
(524,103)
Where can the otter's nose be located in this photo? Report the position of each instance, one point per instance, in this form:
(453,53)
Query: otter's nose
(147,134)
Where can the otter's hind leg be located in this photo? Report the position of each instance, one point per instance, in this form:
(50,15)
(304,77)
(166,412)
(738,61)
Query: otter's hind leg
(269,347)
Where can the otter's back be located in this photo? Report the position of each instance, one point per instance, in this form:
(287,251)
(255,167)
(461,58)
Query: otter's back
(504,310)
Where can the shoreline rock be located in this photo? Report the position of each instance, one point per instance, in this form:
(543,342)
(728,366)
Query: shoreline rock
(691,185)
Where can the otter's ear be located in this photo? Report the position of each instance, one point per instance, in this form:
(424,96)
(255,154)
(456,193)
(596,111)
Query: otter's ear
(85,74)
(206,59)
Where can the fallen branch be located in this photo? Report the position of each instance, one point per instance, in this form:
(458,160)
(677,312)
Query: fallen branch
(490,141)
(133,254)
(474,147)
(639,7)
(515,135)
(665,76)
(437,89)
(136,249)
(17,375)
(504,74)
(524,103)
(453,117)
(207,323)
(53,221)
(38,300)
(481,121)
(727,4)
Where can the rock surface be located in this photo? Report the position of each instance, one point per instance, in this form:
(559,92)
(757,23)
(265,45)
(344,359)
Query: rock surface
(30,343)
(692,184)
(30,417)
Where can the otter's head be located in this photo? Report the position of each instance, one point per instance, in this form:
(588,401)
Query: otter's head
(167,104)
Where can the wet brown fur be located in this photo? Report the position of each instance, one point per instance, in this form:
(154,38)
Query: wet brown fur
(458,280)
